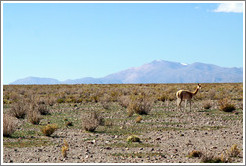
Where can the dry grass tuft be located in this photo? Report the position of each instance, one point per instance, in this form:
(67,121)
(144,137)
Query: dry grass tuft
(138,119)
(226,106)
(211,159)
(124,101)
(18,110)
(139,105)
(9,125)
(215,159)
(49,129)
(207,104)
(234,151)
(195,153)
(64,149)
(163,97)
(34,117)
(43,109)
(68,123)
(91,120)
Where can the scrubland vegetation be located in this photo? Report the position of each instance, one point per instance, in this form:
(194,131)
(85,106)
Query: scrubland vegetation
(125,123)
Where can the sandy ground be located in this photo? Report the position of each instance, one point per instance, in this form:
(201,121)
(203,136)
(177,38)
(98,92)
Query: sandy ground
(170,141)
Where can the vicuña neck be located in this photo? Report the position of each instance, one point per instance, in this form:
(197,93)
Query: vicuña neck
(195,92)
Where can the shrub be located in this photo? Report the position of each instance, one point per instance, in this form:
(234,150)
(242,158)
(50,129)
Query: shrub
(51,100)
(124,101)
(207,105)
(108,123)
(43,109)
(130,112)
(60,100)
(212,94)
(9,125)
(105,105)
(195,153)
(138,119)
(18,110)
(68,123)
(64,149)
(226,106)
(234,151)
(133,138)
(140,106)
(49,129)
(91,120)
(211,159)
(215,159)
(163,98)
(34,117)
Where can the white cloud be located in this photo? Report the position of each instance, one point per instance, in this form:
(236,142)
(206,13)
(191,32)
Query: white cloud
(230,8)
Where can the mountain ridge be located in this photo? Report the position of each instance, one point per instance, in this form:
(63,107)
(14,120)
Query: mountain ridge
(157,71)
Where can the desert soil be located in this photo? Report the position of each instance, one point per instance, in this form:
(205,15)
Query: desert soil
(167,135)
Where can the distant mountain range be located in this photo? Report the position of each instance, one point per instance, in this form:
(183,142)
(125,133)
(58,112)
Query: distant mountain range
(158,71)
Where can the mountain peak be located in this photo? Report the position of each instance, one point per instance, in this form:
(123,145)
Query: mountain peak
(157,71)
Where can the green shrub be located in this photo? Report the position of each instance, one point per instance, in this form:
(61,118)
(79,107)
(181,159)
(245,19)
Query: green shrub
(60,100)
(133,138)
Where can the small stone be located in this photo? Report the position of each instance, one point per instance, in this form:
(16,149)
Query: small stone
(108,148)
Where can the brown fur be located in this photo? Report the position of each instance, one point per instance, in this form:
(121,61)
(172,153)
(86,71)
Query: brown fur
(186,95)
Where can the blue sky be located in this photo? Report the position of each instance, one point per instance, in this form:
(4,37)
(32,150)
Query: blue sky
(69,41)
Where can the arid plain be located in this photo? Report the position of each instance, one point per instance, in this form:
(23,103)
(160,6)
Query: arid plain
(96,124)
